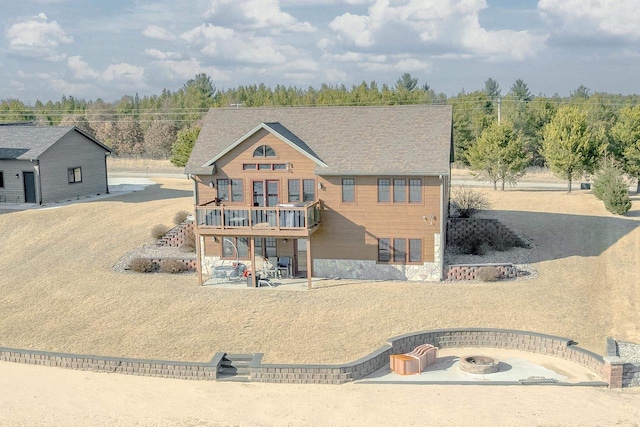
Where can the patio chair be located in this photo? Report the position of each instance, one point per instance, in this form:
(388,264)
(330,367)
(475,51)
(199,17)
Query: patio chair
(284,264)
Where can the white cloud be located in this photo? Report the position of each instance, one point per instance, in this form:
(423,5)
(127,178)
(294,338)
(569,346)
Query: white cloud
(37,38)
(158,54)
(80,69)
(438,25)
(158,33)
(593,18)
(237,46)
(123,75)
(256,15)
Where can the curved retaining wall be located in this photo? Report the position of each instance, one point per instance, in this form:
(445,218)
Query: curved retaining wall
(609,368)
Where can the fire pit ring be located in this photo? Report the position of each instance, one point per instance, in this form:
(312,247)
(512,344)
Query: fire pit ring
(478,365)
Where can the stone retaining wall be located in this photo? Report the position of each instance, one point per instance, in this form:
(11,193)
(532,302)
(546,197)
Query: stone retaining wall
(610,368)
(190,264)
(144,367)
(460,230)
(626,372)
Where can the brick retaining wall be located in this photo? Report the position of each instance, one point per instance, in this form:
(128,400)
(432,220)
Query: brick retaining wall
(460,230)
(177,236)
(470,271)
(626,373)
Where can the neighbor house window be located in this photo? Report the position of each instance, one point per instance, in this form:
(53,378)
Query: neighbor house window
(348,189)
(400,250)
(264,151)
(1,179)
(235,248)
(75,175)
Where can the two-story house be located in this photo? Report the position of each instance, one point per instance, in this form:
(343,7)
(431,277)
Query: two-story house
(348,192)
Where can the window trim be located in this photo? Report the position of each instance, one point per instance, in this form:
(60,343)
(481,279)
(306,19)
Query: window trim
(393,259)
(71,175)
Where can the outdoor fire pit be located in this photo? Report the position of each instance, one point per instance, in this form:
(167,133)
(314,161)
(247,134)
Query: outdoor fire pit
(478,364)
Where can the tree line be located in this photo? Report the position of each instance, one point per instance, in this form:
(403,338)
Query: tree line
(498,135)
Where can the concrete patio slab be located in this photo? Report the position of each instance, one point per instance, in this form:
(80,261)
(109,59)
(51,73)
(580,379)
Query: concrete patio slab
(516,367)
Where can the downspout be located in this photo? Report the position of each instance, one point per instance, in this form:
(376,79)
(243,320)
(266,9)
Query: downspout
(39,181)
(443,223)
(106,171)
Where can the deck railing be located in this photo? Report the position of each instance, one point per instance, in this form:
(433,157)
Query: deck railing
(282,217)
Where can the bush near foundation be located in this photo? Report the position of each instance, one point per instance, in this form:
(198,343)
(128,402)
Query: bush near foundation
(465,202)
(180,217)
(159,230)
(172,266)
(141,265)
(189,240)
(487,274)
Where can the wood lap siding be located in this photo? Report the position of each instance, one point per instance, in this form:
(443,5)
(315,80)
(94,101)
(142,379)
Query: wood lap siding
(343,235)
(348,230)
(73,150)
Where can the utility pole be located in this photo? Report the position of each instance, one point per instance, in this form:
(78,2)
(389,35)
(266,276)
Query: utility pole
(499,105)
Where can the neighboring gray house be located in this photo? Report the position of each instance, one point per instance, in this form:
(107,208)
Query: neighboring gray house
(43,164)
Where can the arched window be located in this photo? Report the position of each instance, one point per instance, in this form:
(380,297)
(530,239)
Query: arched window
(264,151)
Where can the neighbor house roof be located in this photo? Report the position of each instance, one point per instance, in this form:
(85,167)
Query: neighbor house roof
(29,142)
(408,139)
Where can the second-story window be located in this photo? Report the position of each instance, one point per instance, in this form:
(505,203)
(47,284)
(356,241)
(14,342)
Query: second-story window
(308,193)
(399,190)
(264,151)
(348,190)
(230,189)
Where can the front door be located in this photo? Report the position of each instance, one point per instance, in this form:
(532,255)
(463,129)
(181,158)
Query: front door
(29,182)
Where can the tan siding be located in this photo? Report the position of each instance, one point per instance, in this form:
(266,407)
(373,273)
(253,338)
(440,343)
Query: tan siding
(344,235)
(73,150)
(231,167)
(349,230)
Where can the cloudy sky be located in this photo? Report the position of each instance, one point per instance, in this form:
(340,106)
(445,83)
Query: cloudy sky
(95,48)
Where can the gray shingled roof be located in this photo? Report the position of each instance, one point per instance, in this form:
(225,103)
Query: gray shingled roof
(29,142)
(408,139)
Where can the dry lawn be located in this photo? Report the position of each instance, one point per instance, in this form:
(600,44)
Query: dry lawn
(58,292)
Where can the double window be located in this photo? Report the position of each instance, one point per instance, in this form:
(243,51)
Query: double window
(400,190)
(230,189)
(235,248)
(302,190)
(75,175)
(399,250)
